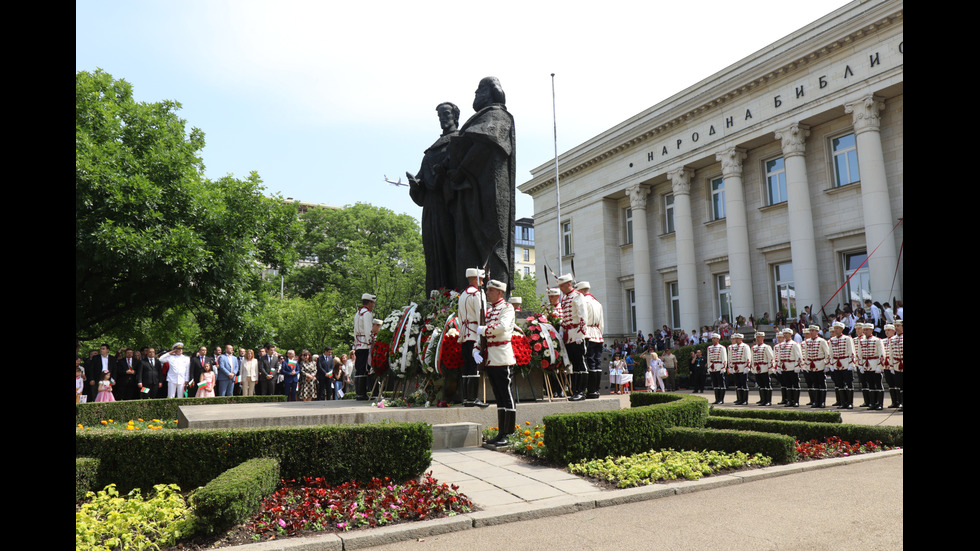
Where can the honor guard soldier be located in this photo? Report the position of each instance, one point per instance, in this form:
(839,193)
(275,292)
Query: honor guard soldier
(777,368)
(573,322)
(717,365)
(762,362)
(739,362)
(472,303)
(593,339)
(871,358)
(891,365)
(498,331)
(554,299)
(896,356)
(816,353)
(842,359)
(364,331)
(553,313)
(789,356)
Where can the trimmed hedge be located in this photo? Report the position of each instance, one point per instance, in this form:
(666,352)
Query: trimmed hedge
(192,457)
(235,495)
(779,414)
(780,447)
(91,413)
(85,471)
(805,431)
(573,437)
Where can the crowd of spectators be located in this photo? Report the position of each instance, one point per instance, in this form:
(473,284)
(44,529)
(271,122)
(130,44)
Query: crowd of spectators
(132,374)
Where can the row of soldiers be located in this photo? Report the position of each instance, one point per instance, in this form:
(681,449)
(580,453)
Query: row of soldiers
(873,359)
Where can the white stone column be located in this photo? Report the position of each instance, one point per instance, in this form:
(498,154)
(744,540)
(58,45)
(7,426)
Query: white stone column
(687,282)
(642,281)
(737,229)
(875,203)
(801,236)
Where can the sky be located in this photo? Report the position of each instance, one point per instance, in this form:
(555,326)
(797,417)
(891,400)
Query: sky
(325,99)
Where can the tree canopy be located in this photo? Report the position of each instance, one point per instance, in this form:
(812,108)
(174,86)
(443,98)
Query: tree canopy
(152,234)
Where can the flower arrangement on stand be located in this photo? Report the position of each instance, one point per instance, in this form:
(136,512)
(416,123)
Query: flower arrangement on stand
(542,339)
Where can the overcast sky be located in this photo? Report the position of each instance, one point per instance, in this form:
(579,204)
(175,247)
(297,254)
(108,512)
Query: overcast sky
(324,99)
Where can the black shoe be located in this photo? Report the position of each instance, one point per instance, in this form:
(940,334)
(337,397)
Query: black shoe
(577,398)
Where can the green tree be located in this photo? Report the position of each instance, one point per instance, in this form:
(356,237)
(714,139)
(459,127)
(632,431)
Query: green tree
(525,286)
(153,237)
(360,249)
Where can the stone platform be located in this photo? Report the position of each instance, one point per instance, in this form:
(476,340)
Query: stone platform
(454,426)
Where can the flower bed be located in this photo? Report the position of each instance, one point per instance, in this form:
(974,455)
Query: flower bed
(664,465)
(312,505)
(835,447)
(137,424)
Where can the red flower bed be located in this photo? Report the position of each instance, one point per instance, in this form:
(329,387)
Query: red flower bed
(314,505)
(835,447)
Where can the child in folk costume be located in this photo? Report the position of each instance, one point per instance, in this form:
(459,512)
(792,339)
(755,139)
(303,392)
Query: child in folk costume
(105,389)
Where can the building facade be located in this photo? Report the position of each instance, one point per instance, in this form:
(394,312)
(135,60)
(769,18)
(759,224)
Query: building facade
(524,246)
(774,184)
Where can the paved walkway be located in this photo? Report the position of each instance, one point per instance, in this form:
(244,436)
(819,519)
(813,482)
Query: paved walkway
(511,491)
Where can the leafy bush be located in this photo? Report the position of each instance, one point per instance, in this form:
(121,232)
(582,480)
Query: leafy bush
(658,465)
(589,435)
(779,414)
(110,521)
(234,495)
(192,457)
(779,447)
(92,413)
(85,472)
(803,431)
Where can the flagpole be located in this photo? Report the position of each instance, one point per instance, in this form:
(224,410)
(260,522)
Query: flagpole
(557,194)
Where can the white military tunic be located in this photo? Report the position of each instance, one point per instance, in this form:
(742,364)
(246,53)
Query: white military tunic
(499,330)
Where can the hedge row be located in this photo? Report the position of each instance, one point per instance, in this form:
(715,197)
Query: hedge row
(779,414)
(91,413)
(85,473)
(806,431)
(780,447)
(574,437)
(192,457)
(235,495)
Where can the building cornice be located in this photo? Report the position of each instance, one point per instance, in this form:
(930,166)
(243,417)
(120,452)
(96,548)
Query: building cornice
(835,32)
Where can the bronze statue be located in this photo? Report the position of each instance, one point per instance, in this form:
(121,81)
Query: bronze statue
(430,190)
(482,175)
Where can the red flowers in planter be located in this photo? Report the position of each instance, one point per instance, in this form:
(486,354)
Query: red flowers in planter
(314,505)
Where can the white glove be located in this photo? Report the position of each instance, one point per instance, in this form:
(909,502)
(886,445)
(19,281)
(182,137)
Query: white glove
(578,341)
(477,357)
(480,330)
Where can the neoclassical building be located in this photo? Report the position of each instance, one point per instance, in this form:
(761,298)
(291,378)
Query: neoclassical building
(772,185)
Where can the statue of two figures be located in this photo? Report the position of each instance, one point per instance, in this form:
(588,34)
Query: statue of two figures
(466,188)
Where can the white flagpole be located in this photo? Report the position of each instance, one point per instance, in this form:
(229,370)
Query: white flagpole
(557,194)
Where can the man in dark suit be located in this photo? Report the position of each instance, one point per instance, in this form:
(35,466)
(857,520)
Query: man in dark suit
(125,376)
(268,371)
(324,375)
(198,362)
(98,364)
(149,376)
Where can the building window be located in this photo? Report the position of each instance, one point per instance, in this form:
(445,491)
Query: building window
(858,287)
(628,215)
(724,282)
(845,160)
(669,213)
(776,181)
(631,309)
(566,238)
(527,255)
(527,270)
(782,275)
(675,305)
(717,198)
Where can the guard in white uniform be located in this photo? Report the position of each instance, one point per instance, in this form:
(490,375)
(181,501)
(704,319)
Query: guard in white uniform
(739,363)
(573,324)
(717,366)
(594,327)
(499,330)
(816,353)
(891,364)
(871,358)
(364,331)
(762,362)
(842,359)
(471,308)
(789,356)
